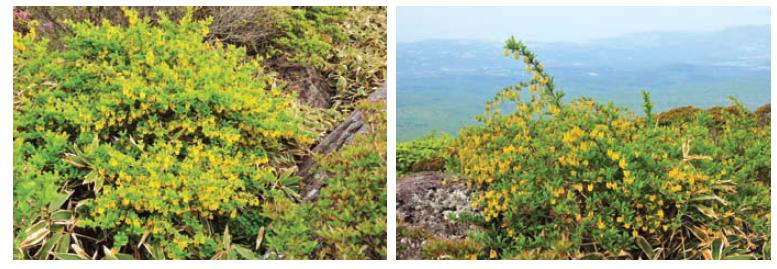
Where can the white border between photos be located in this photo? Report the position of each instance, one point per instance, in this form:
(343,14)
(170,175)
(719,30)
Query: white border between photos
(6,157)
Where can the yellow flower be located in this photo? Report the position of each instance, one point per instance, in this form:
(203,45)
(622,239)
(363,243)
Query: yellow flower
(619,219)
(150,58)
(492,255)
(579,187)
(600,224)
(554,110)
(660,213)
(590,187)
(677,188)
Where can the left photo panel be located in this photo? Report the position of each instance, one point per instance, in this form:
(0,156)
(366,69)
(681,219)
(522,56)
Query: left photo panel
(199,133)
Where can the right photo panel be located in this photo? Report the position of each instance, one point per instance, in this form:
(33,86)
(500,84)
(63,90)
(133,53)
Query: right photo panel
(583,133)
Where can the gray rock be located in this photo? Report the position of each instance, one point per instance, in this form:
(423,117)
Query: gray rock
(423,202)
(342,135)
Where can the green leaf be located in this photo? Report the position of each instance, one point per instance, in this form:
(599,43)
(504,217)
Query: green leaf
(64,244)
(646,247)
(259,238)
(244,252)
(45,250)
(740,257)
(35,234)
(58,201)
(717,248)
(226,238)
(341,83)
(67,256)
(124,256)
(62,217)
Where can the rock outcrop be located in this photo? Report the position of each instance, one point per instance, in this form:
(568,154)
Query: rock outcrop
(342,135)
(313,88)
(425,204)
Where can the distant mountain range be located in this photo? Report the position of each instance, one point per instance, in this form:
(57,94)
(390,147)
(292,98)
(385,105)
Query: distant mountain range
(442,84)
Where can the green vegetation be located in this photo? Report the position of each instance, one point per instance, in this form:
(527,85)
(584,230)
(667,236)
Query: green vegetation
(455,249)
(144,139)
(349,219)
(351,213)
(348,45)
(428,153)
(579,180)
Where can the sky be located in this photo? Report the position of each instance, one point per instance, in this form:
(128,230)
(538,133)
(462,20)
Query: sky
(565,24)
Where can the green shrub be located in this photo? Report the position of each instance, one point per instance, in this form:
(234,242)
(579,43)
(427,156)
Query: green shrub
(310,33)
(583,179)
(290,235)
(347,44)
(166,133)
(427,153)
(450,249)
(351,210)
(348,220)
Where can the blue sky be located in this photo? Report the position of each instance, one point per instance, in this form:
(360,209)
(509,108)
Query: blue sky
(565,24)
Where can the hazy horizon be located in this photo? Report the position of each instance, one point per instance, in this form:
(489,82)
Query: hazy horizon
(580,24)
(500,42)
(447,69)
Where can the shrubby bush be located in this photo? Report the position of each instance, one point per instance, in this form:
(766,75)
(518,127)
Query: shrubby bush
(348,220)
(347,45)
(143,137)
(351,211)
(155,134)
(450,249)
(589,180)
(427,153)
